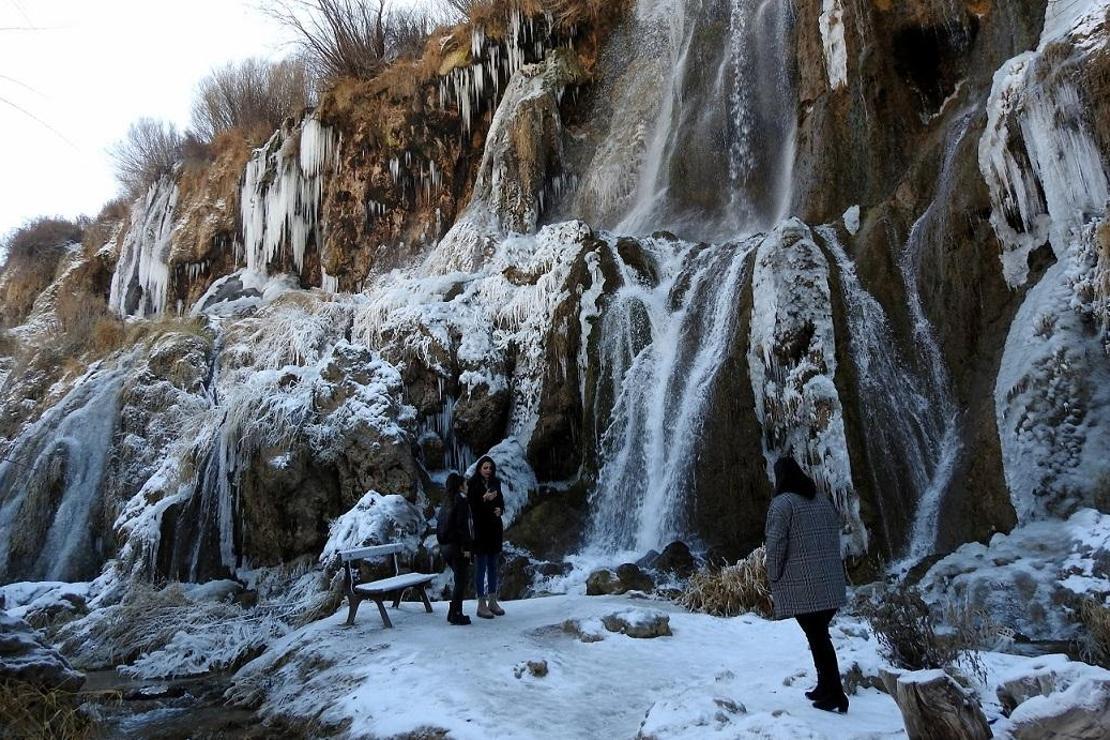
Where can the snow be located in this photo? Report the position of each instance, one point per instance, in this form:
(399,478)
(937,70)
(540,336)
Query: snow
(1026,579)
(851,220)
(375,520)
(462,679)
(23,597)
(831,23)
(1053,392)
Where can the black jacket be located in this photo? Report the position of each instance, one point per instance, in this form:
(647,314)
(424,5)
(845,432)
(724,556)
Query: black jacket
(488,534)
(460,524)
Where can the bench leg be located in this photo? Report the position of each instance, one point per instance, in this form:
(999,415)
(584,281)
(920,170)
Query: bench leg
(385,616)
(352,604)
(397,601)
(424,598)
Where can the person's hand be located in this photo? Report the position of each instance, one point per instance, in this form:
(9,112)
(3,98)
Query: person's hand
(497,512)
(490,496)
(466,554)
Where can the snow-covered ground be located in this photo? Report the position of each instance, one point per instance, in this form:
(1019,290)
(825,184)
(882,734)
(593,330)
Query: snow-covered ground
(712,677)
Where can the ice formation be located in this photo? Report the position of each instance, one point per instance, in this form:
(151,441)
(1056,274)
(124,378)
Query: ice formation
(141,280)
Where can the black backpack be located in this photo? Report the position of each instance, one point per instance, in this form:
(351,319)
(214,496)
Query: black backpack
(443,523)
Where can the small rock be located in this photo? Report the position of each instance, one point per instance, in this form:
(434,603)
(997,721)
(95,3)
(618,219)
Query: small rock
(589,631)
(536,668)
(639,623)
(1081,712)
(602,582)
(634,579)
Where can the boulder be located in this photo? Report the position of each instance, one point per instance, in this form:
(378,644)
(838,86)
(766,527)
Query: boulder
(640,623)
(1080,712)
(935,707)
(25,657)
(676,559)
(627,577)
(589,630)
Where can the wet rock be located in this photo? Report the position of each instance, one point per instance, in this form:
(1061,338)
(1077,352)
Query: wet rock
(639,623)
(602,582)
(25,657)
(634,579)
(551,525)
(677,560)
(481,416)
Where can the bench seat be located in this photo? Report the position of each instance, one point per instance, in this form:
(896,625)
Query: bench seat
(388,585)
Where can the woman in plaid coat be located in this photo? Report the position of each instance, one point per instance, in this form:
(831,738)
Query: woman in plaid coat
(806,572)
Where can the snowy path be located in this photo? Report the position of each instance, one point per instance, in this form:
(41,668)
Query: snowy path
(425,674)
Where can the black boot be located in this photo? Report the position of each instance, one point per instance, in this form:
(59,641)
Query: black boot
(833,704)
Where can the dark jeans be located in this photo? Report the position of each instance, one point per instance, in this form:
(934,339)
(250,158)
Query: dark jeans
(459,567)
(816,627)
(485,573)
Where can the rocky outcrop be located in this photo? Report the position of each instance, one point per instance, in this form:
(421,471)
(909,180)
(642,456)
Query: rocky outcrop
(26,658)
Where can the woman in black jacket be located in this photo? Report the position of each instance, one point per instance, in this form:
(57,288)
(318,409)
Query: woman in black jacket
(806,572)
(460,540)
(486,504)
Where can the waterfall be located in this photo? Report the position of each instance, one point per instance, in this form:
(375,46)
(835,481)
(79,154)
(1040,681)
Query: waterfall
(723,88)
(50,483)
(909,431)
(929,230)
(662,345)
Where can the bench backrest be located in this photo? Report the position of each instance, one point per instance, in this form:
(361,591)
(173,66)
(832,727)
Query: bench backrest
(368,553)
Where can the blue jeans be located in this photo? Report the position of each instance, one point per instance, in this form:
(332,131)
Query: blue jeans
(485,574)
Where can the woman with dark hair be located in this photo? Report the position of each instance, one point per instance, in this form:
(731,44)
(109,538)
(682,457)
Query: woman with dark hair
(486,503)
(807,573)
(459,538)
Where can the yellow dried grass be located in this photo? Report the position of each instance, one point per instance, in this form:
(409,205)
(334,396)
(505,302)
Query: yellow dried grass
(732,590)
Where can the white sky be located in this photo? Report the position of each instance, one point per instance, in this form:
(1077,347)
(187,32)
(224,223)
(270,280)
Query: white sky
(95,66)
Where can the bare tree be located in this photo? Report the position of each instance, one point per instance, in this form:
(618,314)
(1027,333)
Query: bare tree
(339,37)
(250,94)
(150,150)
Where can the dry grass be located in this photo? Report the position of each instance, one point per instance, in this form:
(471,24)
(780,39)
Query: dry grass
(30,712)
(1095,645)
(732,590)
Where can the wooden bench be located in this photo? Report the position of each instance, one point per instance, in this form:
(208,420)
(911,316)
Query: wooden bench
(378,591)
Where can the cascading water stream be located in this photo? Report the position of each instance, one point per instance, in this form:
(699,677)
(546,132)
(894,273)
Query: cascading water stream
(910,429)
(662,346)
(929,229)
(728,87)
(63,454)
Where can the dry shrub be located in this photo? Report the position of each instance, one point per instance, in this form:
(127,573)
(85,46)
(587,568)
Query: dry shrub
(910,636)
(252,95)
(33,254)
(732,590)
(28,711)
(150,150)
(1095,646)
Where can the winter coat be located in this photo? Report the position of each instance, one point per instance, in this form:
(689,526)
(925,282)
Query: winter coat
(803,555)
(488,529)
(460,526)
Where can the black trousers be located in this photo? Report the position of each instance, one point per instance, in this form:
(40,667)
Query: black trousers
(816,627)
(460,567)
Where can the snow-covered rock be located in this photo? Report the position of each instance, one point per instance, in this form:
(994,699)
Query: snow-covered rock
(25,657)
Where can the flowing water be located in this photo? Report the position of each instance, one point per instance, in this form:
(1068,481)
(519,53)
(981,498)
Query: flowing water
(55,468)
(692,87)
(907,417)
(662,345)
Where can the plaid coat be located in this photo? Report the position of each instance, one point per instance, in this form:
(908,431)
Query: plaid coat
(803,555)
